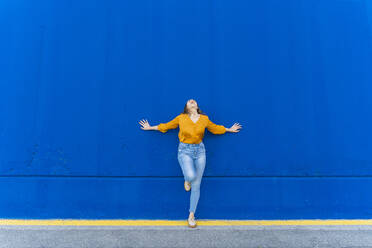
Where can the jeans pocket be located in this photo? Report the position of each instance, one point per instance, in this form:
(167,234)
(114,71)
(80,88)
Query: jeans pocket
(202,147)
(181,149)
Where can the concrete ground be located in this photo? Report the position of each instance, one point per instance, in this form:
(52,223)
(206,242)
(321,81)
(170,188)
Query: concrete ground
(183,236)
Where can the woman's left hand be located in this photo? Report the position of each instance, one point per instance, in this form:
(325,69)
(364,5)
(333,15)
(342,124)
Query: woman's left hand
(234,128)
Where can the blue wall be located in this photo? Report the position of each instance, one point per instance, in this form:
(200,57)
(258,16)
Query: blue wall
(77,76)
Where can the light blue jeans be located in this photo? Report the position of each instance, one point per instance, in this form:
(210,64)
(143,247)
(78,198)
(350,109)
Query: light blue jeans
(192,159)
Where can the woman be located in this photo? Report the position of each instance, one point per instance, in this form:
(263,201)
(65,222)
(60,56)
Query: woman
(191,151)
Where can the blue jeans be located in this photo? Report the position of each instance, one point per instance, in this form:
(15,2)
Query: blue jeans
(192,159)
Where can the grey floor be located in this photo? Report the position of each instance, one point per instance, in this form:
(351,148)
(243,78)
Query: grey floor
(183,236)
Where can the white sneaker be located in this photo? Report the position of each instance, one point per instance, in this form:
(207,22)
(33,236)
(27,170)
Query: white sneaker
(191,222)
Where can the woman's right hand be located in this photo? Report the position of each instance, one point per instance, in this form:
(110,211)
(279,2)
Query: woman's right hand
(145,125)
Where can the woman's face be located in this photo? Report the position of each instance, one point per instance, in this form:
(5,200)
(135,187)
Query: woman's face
(192,104)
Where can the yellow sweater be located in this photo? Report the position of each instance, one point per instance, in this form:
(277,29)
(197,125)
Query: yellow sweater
(190,132)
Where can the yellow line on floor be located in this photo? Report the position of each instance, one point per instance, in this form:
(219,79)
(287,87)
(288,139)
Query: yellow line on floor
(120,222)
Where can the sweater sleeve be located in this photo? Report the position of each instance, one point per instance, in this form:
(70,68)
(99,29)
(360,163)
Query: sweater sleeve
(214,128)
(164,127)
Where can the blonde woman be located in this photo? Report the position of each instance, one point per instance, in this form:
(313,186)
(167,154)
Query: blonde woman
(191,150)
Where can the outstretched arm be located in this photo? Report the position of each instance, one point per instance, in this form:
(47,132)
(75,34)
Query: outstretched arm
(220,129)
(216,129)
(164,127)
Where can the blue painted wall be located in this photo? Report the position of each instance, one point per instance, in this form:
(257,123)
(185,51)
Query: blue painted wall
(77,76)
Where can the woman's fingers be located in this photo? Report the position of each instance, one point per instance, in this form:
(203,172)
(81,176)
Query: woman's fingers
(235,128)
(143,121)
(238,125)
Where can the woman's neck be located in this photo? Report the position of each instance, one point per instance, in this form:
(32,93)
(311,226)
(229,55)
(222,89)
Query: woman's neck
(193,112)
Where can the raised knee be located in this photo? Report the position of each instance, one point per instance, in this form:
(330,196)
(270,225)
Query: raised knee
(191,177)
